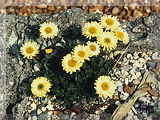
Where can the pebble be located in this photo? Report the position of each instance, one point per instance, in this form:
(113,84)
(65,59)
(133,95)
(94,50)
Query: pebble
(155,55)
(50,113)
(141,60)
(136,57)
(39,111)
(21,63)
(43,109)
(120,88)
(11,83)
(136,81)
(135,117)
(126,81)
(144,99)
(151,65)
(34,118)
(138,74)
(129,56)
(124,96)
(117,103)
(119,83)
(36,67)
(29,118)
(115,10)
(49,107)
(33,106)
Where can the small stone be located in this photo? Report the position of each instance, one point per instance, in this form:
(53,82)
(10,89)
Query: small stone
(43,109)
(142,60)
(155,55)
(49,107)
(34,118)
(144,99)
(128,89)
(134,76)
(124,96)
(136,105)
(129,56)
(21,63)
(153,92)
(147,58)
(136,57)
(117,103)
(30,98)
(151,65)
(131,61)
(126,81)
(135,117)
(29,118)
(120,88)
(34,106)
(115,10)
(119,83)
(36,67)
(137,13)
(133,5)
(29,103)
(50,113)
(11,83)
(136,81)
(57,112)
(41,6)
(138,74)
(39,111)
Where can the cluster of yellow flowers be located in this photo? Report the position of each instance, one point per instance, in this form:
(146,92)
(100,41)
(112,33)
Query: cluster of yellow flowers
(74,61)
(107,32)
(30,48)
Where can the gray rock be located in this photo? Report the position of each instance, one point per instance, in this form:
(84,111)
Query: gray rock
(144,33)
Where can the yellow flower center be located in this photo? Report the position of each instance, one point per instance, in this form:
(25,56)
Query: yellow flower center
(29,50)
(72,63)
(120,35)
(105,86)
(40,87)
(81,54)
(48,30)
(48,51)
(107,40)
(92,48)
(92,30)
(109,21)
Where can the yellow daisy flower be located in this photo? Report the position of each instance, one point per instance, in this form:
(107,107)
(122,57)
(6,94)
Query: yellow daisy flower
(107,40)
(109,22)
(48,30)
(81,52)
(105,87)
(122,35)
(40,86)
(71,64)
(92,29)
(29,49)
(94,48)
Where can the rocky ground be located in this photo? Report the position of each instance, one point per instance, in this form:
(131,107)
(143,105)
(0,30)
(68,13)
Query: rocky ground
(141,56)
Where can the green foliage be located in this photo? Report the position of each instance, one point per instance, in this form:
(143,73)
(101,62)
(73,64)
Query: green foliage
(79,85)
